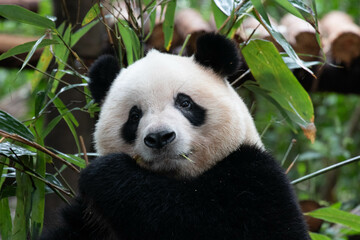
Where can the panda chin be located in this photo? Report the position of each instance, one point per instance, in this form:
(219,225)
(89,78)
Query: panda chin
(172,165)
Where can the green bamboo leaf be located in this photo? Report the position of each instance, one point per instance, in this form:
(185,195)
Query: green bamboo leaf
(219,16)
(62,52)
(50,126)
(78,161)
(226,6)
(31,53)
(273,75)
(151,11)
(299,9)
(11,150)
(5,219)
(8,190)
(276,34)
(126,36)
(64,89)
(39,102)
(317,236)
(3,171)
(252,86)
(337,216)
(26,47)
(75,37)
(91,14)
(11,125)
(305,11)
(168,25)
(38,194)
(289,8)
(19,14)
(42,66)
(23,188)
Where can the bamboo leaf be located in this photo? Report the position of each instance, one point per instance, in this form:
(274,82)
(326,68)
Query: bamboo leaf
(289,8)
(226,6)
(11,125)
(26,47)
(3,171)
(72,159)
(69,117)
(31,53)
(91,14)
(8,190)
(168,25)
(20,227)
(305,11)
(151,11)
(337,216)
(5,219)
(50,126)
(39,101)
(317,236)
(75,37)
(11,150)
(19,14)
(272,75)
(219,16)
(42,66)
(38,194)
(126,36)
(264,19)
(64,89)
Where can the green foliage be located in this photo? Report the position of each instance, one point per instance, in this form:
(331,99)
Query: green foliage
(168,25)
(23,154)
(12,125)
(337,216)
(277,82)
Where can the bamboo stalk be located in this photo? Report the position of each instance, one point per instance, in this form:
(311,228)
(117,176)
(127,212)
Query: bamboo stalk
(324,170)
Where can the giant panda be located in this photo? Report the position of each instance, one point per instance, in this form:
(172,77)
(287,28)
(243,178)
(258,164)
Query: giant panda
(180,156)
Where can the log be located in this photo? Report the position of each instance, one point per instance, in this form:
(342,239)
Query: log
(314,224)
(8,41)
(302,37)
(189,21)
(341,37)
(32,5)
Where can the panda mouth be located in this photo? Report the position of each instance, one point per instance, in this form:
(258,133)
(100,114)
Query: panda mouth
(165,157)
(186,156)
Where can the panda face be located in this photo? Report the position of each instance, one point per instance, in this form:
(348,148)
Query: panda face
(174,115)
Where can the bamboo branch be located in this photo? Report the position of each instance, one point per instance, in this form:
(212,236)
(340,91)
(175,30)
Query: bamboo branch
(327,169)
(38,147)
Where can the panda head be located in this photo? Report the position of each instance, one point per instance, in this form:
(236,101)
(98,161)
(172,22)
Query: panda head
(176,115)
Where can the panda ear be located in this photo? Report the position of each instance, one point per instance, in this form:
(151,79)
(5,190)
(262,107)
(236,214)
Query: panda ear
(102,73)
(217,52)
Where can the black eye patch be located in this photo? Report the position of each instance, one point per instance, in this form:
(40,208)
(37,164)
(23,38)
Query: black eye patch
(190,109)
(129,129)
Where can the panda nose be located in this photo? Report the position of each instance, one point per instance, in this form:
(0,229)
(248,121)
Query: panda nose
(159,139)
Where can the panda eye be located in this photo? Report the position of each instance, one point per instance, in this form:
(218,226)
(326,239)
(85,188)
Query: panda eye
(185,104)
(134,117)
(183,101)
(135,114)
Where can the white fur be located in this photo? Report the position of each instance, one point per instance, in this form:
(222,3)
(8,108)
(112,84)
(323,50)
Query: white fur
(152,84)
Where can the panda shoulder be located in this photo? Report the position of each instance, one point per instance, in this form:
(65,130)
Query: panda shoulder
(251,166)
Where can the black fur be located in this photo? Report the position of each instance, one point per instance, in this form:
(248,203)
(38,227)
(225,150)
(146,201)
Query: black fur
(195,113)
(246,196)
(217,52)
(129,129)
(102,73)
